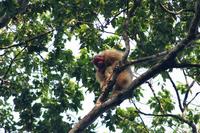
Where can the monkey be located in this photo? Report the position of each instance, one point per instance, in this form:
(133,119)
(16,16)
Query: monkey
(105,63)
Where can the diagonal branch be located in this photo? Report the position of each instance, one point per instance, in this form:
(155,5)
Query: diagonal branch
(140,117)
(193,98)
(177,93)
(7,16)
(157,99)
(113,18)
(187,93)
(10,65)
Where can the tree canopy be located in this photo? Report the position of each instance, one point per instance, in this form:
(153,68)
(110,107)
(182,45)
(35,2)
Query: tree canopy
(43,82)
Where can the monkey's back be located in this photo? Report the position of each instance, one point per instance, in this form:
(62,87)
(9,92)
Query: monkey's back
(112,55)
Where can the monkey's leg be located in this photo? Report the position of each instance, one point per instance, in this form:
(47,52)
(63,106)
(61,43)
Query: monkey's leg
(123,81)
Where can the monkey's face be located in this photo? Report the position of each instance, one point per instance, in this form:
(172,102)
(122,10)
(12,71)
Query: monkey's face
(99,62)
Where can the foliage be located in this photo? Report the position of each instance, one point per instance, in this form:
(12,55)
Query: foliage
(43,80)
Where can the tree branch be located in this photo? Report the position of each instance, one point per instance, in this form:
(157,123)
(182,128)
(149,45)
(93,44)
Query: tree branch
(154,57)
(28,40)
(126,37)
(170,12)
(4,20)
(185,65)
(195,21)
(125,34)
(185,76)
(193,98)
(141,118)
(9,67)
(186,95)
(154,94)
(114,17)
(177,93)
(190,123)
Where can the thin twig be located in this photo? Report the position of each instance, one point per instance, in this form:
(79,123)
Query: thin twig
(190,123)
(185,76)
(144,125)
(177,93)
(10,65)
(187,93)
(170,12)
(185,65)
(154,94)
(27,40)
(114,17)
(193,98)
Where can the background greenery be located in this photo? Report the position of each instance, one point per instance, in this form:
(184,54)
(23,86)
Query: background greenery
(42,79)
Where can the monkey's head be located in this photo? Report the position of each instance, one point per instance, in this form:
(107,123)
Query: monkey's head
(99,62)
